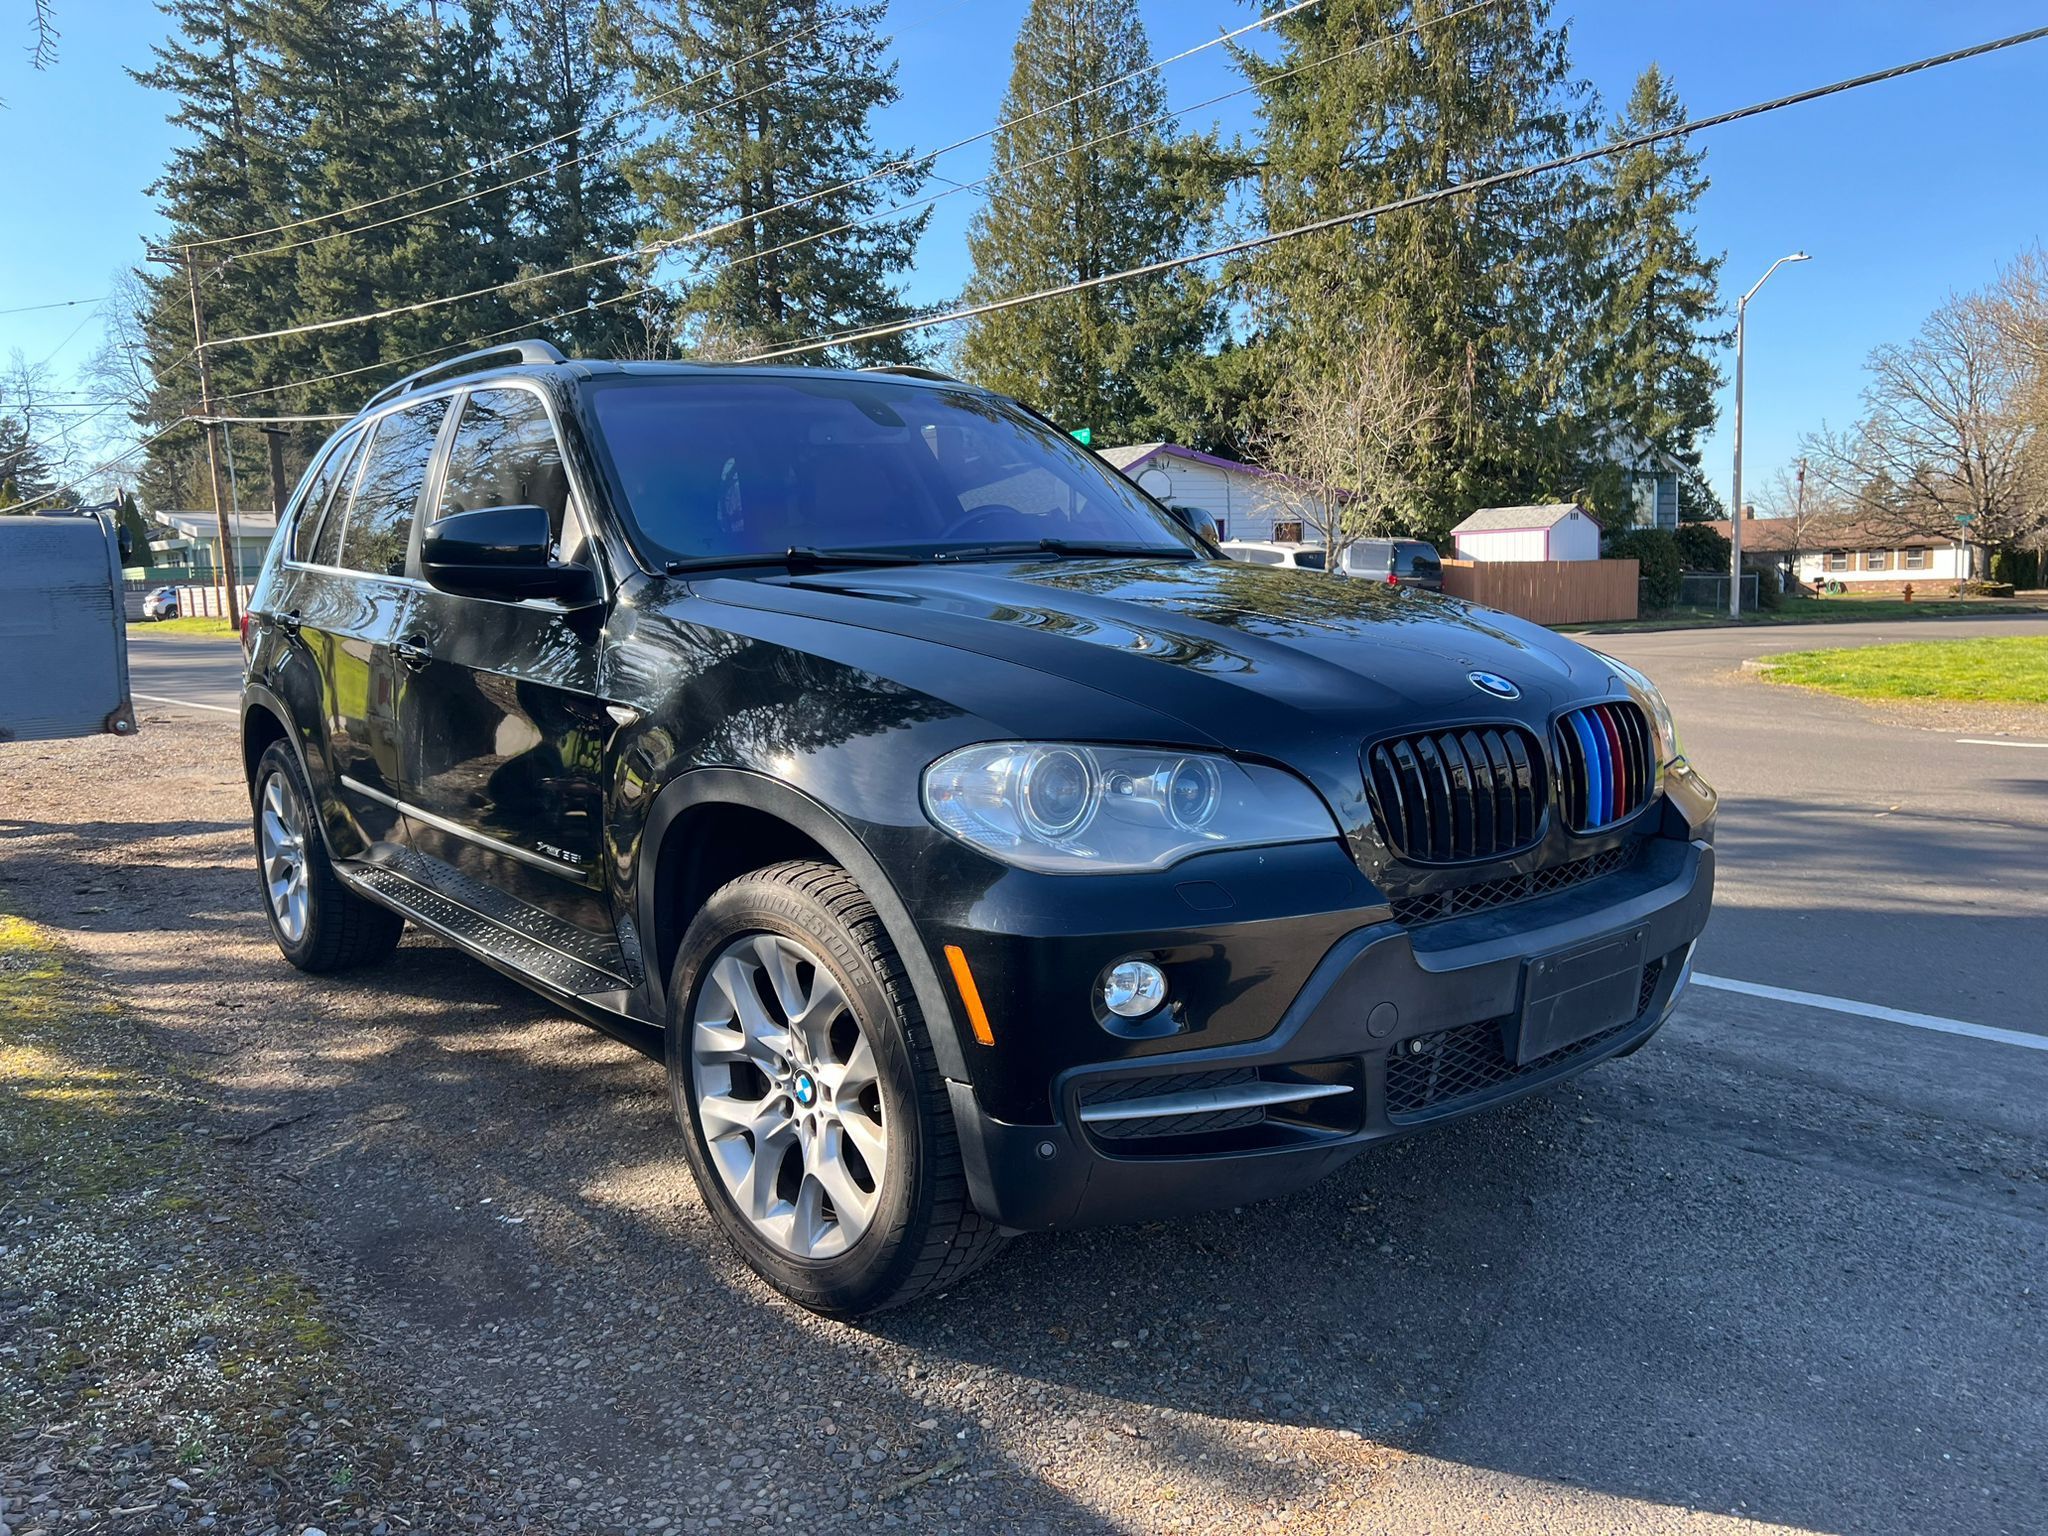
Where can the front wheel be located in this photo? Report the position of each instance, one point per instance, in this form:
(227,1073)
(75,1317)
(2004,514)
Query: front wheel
(813,1114)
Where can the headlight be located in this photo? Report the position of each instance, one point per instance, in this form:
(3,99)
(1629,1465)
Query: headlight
(1070,809)
(1653,701)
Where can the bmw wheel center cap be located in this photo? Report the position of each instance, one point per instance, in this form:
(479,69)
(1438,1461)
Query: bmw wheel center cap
(806,1090)
(1495,684)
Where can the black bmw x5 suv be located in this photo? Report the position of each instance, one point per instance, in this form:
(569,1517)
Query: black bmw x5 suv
(979,849)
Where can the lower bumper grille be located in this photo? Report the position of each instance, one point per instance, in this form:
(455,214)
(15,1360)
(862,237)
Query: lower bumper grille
(1435,906)
(1471,1062)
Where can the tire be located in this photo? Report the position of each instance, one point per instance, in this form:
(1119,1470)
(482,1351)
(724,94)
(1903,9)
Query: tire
(319,923)
(803,933)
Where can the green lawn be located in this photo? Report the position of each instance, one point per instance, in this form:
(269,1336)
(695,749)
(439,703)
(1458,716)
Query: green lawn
(1832,610)
(1994,670)
(197,624)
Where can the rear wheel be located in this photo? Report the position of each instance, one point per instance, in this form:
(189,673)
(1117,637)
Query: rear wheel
(319,923)
(813,1114)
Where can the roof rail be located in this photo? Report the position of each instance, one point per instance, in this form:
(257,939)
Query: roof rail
(524,351)
(912,371)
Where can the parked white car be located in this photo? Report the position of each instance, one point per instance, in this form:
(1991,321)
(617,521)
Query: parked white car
(1300,557)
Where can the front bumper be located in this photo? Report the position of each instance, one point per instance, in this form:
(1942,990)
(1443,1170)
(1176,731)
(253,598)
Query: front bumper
(1395,1029)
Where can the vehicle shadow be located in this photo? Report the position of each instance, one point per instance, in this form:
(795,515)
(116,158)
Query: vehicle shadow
(1699,1277)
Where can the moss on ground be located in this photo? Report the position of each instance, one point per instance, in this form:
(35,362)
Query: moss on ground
(135,1301)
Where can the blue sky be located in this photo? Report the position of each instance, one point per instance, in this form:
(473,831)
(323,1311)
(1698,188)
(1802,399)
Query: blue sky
(1902,193)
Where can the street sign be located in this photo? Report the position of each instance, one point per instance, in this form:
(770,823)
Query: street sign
(1085,436)
(1966,518)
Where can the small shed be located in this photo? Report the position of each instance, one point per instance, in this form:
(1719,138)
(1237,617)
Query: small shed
(1559,531)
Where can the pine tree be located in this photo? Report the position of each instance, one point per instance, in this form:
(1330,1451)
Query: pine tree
(562,87)
(1403,99)
(1654,302)
(208,189)
(1081,188)
(784,121)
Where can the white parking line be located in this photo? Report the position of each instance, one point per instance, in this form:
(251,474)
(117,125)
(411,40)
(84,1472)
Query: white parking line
(1933,1021)
(1978,741)
(157,698)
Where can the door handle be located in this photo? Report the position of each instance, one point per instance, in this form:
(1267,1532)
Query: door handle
(412,652)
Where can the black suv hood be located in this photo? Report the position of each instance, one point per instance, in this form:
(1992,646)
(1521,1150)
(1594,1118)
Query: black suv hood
(1245,656)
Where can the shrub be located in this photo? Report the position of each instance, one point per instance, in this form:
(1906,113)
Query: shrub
(2020,567)
(1702,548)
(1768,597)
(1656,553)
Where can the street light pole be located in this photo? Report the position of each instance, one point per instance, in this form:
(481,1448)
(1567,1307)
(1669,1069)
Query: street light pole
(1735,512)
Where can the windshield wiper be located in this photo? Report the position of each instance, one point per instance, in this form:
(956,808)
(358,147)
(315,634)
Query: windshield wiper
(797,557)
(808,555)
(1066,547)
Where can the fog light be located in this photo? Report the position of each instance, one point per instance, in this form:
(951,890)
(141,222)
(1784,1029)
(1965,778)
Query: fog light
(1133,988)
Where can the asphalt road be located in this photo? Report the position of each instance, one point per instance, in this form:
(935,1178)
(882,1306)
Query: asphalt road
(187,674)
(1782,1269)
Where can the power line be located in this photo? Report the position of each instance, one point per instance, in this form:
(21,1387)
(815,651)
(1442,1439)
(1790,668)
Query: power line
(1415,200)
(24,309)
(958,187)
(100,469)
(661,247)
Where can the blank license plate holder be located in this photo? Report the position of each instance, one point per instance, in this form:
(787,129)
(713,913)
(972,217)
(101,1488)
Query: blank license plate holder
(1577,992)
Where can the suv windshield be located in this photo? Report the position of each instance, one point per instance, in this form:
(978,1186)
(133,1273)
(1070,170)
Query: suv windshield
(755,466)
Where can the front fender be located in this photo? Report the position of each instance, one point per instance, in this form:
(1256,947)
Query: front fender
(741,787)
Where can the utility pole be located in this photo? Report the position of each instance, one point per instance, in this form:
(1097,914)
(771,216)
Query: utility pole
(1735,512)
(229,577)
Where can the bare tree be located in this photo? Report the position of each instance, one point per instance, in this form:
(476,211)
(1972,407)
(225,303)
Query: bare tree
(1943,433)
(1342,442)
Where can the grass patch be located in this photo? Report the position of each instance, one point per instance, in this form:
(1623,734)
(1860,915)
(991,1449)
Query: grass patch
(1993,670)
(193,624)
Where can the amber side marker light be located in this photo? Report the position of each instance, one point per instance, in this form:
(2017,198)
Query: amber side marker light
(970,994)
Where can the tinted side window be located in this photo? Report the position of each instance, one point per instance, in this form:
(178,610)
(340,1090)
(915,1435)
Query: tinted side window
(505,455)
(318,494)
(327,546)
(394,473)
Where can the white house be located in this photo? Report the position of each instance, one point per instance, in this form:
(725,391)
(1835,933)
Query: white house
(1240,497)
(1856,554)
(1557,532)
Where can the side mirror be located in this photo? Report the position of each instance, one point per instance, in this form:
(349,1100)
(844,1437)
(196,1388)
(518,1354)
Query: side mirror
(500,552)
(1201,523)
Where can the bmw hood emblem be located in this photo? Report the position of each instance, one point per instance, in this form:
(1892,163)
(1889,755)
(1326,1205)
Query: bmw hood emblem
(1495,684)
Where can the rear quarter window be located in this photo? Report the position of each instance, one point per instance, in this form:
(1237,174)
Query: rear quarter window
(312,506)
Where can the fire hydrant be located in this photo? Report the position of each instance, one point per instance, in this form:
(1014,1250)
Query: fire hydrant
(1908,593)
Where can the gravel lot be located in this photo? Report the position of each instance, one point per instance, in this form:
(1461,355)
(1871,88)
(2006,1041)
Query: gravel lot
(1705,1288)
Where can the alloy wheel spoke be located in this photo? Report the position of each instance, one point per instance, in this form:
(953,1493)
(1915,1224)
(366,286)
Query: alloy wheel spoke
(767,1039)
(850,1203)
(867,1139)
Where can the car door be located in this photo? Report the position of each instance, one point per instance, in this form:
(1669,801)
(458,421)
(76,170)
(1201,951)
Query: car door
(504,727)
(350,608)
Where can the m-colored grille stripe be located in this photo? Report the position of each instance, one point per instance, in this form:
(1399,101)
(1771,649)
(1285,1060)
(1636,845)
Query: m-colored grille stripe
(1605,763)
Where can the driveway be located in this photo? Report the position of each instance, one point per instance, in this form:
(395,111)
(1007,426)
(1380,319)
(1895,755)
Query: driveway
(1781,1269)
